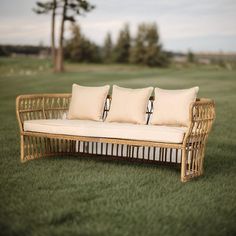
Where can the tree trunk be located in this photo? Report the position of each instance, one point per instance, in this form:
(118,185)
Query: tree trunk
(53,48)
(60,53)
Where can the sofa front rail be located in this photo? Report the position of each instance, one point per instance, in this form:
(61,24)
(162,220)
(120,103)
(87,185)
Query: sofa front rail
(189,155)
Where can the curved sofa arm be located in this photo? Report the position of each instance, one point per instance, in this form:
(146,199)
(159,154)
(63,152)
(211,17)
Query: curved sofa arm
(202,115)
(41,106)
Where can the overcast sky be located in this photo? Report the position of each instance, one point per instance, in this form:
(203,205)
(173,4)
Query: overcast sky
(203,25)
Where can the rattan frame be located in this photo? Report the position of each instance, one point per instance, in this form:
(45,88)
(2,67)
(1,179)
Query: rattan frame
(53,106)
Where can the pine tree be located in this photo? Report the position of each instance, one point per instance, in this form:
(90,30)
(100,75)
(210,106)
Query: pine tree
(191,57)
(44,8)
(122,47)
(138,51)
(108,48)
(79,49)
(153,46)
(147,48)
(70,8)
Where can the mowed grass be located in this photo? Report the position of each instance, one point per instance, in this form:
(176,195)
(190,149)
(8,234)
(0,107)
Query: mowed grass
(83,196)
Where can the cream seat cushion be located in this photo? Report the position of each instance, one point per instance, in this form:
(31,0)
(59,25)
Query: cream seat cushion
(87,103)
(129,105)
(107,130)
(171,107)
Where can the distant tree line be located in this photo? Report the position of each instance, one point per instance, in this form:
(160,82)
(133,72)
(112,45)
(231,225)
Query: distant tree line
(144,49)
(8,50)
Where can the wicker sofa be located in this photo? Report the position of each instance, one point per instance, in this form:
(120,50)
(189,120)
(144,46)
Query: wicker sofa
(183,148)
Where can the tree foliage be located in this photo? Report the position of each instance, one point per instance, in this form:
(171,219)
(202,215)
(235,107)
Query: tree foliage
(44,7)
(190,56)
(147,48)
(108,49)
(80,49)
(122,47)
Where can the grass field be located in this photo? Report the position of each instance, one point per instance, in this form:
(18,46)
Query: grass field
(72,196)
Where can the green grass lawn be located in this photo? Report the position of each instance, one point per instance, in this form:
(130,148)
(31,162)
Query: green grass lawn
(73,196)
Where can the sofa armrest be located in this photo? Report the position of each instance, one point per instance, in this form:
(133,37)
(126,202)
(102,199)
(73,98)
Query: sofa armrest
(41,106)
(202,115)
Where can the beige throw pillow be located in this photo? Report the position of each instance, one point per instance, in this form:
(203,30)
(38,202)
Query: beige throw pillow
(171,107)
(87,103)
(129,105)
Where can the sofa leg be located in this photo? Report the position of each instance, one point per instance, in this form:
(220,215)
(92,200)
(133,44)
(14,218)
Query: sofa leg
(202,156)
(192,162)
(22,149)
(183,166)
